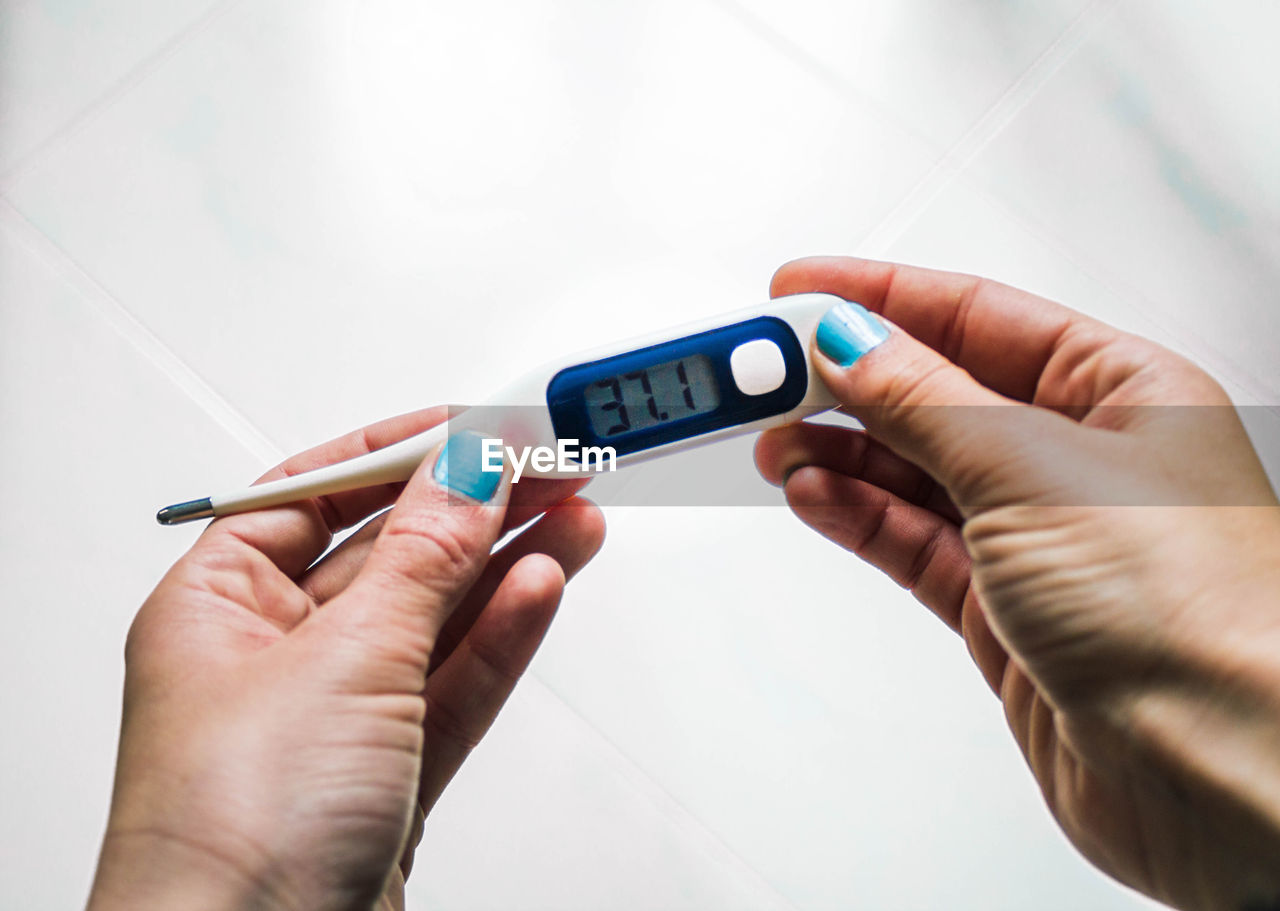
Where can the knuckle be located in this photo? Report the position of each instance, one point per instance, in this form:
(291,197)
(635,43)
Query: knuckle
(499,665)
(435,550)
(1119,361)
(930,547)
(875,523)
(1186,383)
(904,391)
(951,341)
(1094,362)
(445,723)
(136,644)
(217,554)
(1069,377)
(384,657)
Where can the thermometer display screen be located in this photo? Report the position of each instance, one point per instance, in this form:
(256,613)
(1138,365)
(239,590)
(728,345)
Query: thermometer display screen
(677,389)
(648,397)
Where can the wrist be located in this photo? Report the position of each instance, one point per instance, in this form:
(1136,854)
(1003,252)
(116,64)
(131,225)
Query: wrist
(142,869)
(1206,733)
(1209,759)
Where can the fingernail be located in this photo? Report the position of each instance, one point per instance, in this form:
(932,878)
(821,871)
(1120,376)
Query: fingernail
(847,332)
(463,467)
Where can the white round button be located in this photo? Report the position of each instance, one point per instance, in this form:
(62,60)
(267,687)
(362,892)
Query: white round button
(758,366)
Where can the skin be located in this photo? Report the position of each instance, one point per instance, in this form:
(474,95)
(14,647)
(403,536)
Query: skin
(1112,563)
(288,727)
(1081,505)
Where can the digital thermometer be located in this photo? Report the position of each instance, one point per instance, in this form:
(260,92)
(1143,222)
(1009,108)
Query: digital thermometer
(688,386)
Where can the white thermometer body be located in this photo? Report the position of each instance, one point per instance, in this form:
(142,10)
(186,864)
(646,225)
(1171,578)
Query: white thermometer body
(694,384)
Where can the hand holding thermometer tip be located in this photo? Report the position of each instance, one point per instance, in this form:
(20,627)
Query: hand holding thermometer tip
(737,373)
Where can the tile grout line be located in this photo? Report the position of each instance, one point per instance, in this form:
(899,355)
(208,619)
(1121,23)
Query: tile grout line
(139,73)
(1125,291)
(798,55)
(664,801)
(983,132)
(143,340)
(961,152)
(979,136)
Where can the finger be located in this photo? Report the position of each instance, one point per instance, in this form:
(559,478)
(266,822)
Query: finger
(915,547)
(416,832)
(931,412)
(571,534)
(984,648)
(431,549)
(1004,337)
(334,573)
(783,450)
(1030,719)
(328,578)
(534,496)
(292,536)
(466,693)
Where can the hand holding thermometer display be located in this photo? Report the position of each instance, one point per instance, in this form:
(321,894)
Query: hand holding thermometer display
(673,390)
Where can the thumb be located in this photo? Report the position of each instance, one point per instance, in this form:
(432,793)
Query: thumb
(432,548)
(924,407)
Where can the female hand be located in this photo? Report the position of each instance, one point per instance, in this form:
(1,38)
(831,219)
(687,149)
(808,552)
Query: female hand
(285,725)
(1085,508)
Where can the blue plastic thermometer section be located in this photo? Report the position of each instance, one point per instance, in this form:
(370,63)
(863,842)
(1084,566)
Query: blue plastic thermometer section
(672,391)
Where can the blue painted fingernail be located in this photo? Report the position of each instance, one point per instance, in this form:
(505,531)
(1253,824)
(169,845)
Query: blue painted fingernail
(466,466)
(847,332)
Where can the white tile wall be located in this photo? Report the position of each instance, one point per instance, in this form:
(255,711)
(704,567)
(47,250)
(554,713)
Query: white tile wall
(936,67)
(229,230)
(93,429)
(411,170)
(1151,156)
(60,60)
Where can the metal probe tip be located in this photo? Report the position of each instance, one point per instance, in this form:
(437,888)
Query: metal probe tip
(189,511)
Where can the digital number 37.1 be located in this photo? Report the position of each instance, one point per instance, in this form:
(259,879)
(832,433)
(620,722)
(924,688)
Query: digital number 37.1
(619,401)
